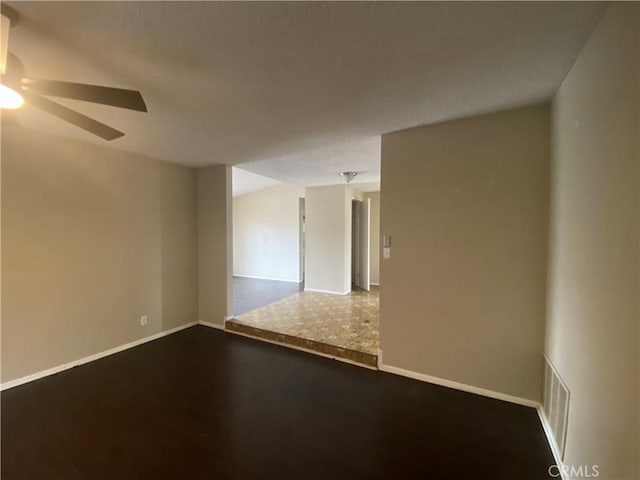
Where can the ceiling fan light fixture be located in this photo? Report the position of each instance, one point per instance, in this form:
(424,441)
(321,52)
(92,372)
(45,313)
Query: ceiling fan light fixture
(348,176)
(9,98)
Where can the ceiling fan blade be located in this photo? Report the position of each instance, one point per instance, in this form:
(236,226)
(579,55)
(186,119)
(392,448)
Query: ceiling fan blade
(115,97)
(73,117)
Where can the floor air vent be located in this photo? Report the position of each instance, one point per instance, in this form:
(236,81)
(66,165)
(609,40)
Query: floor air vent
(556,405)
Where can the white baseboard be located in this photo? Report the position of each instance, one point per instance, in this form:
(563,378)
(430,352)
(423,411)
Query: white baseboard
(90,358)
(211,325)
(266,278)
(546,426)
(459,386)
(374,284)
(301,349)
(326,291)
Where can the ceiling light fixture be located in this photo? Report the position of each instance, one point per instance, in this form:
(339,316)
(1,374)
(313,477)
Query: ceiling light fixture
(9,98)
(348,176)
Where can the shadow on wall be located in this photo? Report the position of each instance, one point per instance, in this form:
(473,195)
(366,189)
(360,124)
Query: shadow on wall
(99,238)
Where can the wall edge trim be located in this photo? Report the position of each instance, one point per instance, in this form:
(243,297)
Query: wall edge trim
(90,358)
(257,277)
(317,290)
(459,386)
(555,451)
(211,325)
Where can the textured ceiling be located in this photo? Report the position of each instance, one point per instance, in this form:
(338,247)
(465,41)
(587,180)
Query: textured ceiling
(296,91)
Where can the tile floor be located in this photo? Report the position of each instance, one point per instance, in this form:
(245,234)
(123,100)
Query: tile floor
(344,326)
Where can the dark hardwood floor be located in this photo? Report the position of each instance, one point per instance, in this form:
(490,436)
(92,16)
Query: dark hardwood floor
(252,293)
(205,404)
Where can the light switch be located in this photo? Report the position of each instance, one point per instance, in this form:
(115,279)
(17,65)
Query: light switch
(386,253)
(386,241)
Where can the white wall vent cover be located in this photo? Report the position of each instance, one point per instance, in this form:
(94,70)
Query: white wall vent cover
(556,405)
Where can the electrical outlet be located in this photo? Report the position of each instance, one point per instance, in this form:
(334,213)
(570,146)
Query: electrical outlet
(143,320)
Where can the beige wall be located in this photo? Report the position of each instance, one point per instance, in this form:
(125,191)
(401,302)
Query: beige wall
(92,239)
(593,314)
(375,236)
(328,238)
(266,231)
(178,189)
(215,241)
(464,291)
(355,193)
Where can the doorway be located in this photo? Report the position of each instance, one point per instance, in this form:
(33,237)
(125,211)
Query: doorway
(361,244)
(301,237)
(342,324)
(267,224)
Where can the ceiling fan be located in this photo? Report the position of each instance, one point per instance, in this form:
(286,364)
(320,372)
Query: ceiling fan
(16,89)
